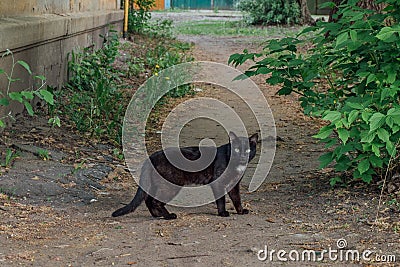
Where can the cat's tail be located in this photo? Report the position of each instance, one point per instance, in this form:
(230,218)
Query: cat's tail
(131,207)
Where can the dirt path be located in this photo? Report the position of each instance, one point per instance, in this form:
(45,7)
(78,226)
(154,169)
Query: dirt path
(294,209)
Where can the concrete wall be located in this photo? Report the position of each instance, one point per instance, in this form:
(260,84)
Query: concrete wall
(37,7)
(44,32)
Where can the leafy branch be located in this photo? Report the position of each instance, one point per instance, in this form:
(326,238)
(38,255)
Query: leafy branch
(24,96)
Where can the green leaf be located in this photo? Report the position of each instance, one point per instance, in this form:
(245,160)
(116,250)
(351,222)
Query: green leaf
(353,35)
(388,34)
(384,93)
(241,77)
(375,161)
(324,132)
(342,166)
(367,178)
(376,150)
(357,16)
(391,149)
(330,142)
(343,37)
(28,107)
(371,78)
(338,124)
(354,105)
(389,121)
(263,70)
(325,159)
(274,45)
(40,77)
(308,29)
(367,137)
(285,90)
(345,123)
(2,124)
(363,74)
(353,116)
(343,135)
(16,96)
(365,115)
(332,116)
(341,152)
(366,147)
(4,101)
(55,121)
(25,66)
(376,121)
(394,113)
(47,96)
(391,78)
(274,80)
(327,5)
(27,95)
(363,166)
(383,135)
(335,180)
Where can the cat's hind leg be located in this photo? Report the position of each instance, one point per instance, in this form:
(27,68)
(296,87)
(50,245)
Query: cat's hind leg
(160,207)
(157,209)
(154,211)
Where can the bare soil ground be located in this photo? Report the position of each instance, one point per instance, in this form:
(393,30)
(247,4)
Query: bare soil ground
(57,212)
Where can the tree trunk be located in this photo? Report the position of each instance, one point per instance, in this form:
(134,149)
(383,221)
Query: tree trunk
(366,4)
(305,13)
(370,4)
(334,10)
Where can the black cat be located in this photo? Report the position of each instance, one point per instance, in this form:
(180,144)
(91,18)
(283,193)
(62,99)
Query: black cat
(238,152)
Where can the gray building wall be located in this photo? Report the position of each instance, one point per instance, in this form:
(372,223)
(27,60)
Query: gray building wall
(44,32)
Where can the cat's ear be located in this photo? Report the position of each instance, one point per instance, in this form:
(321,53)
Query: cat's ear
(232,136)
(253,138)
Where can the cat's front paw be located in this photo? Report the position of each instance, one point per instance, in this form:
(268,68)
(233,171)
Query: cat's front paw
(223,213)
(170,216)
(244,211)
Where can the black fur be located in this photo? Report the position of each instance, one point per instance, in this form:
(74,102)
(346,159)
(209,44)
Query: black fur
(163,167)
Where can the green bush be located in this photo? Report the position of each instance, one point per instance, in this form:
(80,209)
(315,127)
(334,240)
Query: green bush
(167,54)
(139,17)
(139,21)
(267,12)
(351,79)
(93,100)
(92,97)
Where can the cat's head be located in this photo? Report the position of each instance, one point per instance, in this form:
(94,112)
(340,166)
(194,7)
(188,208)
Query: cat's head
(243,149)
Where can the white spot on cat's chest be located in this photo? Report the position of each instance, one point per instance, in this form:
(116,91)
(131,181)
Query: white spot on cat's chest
(241,168)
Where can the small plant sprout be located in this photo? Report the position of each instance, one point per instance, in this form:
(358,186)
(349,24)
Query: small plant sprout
(43,154)
(118,154)
(55,121)
(11,155)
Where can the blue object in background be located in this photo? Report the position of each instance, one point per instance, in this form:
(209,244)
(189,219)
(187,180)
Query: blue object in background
(167,4)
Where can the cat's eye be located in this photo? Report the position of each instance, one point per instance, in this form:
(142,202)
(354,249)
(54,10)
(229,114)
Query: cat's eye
(237,150)
(248,151)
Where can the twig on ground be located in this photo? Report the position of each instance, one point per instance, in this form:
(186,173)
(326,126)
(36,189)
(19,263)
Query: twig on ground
(184,257)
